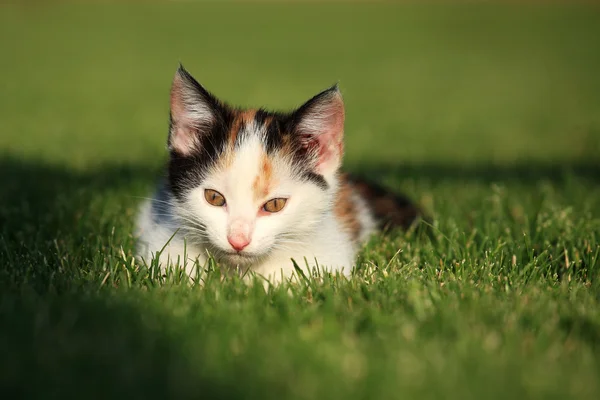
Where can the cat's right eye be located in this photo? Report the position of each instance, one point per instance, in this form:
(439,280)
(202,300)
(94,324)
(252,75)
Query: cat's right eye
(214,198)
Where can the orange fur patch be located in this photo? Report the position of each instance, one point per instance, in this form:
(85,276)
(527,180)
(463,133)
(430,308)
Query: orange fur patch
(247,115)
(262,182)
(345,210)
(240,119)
(268,120)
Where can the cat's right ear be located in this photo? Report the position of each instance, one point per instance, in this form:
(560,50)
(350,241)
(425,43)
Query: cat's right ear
(193,113)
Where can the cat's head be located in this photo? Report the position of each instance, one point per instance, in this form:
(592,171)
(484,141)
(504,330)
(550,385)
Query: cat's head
(247,183)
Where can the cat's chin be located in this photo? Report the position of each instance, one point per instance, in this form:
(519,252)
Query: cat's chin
(238,259)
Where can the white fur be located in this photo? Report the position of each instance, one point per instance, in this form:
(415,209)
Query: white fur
(306,228)
(365,217)
(158,229)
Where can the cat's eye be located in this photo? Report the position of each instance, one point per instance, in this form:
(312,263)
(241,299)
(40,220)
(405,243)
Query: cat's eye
(214,198)
(274,205)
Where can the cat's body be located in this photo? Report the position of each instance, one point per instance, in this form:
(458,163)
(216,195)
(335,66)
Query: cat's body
(255,189)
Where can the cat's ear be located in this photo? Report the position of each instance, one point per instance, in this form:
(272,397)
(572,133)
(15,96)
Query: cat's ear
(320,124)
(193,113)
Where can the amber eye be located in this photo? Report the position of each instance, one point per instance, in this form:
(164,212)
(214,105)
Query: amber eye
(214,198)
(274,205)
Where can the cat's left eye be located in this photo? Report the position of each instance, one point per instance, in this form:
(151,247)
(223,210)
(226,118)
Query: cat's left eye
(214,198)
(274,205)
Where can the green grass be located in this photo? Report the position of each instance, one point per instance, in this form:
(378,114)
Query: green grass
(488,115)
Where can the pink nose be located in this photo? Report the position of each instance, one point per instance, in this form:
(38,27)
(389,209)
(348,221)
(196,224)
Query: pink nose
(238,242)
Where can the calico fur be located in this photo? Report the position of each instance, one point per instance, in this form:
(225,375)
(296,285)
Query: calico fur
(251,156)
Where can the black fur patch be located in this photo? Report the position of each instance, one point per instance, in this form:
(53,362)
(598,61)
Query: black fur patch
(186,172)
(316,179)
(390,209)
(260,116)
(274,135)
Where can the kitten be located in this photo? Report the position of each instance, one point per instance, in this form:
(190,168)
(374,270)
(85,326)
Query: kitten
(255,189)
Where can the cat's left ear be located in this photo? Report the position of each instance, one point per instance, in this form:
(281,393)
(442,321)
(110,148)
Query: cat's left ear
(320,125)
(194,111)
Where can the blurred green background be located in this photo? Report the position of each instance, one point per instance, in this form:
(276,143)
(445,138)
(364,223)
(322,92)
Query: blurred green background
(494,83)
(486,113)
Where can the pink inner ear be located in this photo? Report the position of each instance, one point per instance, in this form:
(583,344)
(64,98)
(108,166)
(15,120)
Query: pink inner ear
(188,115)
(325,128)
(177,106)
(182,139)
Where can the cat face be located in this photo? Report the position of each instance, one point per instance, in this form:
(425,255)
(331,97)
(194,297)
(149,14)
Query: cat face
(248,183)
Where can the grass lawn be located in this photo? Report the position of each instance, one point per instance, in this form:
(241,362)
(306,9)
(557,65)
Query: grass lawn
(488,115)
